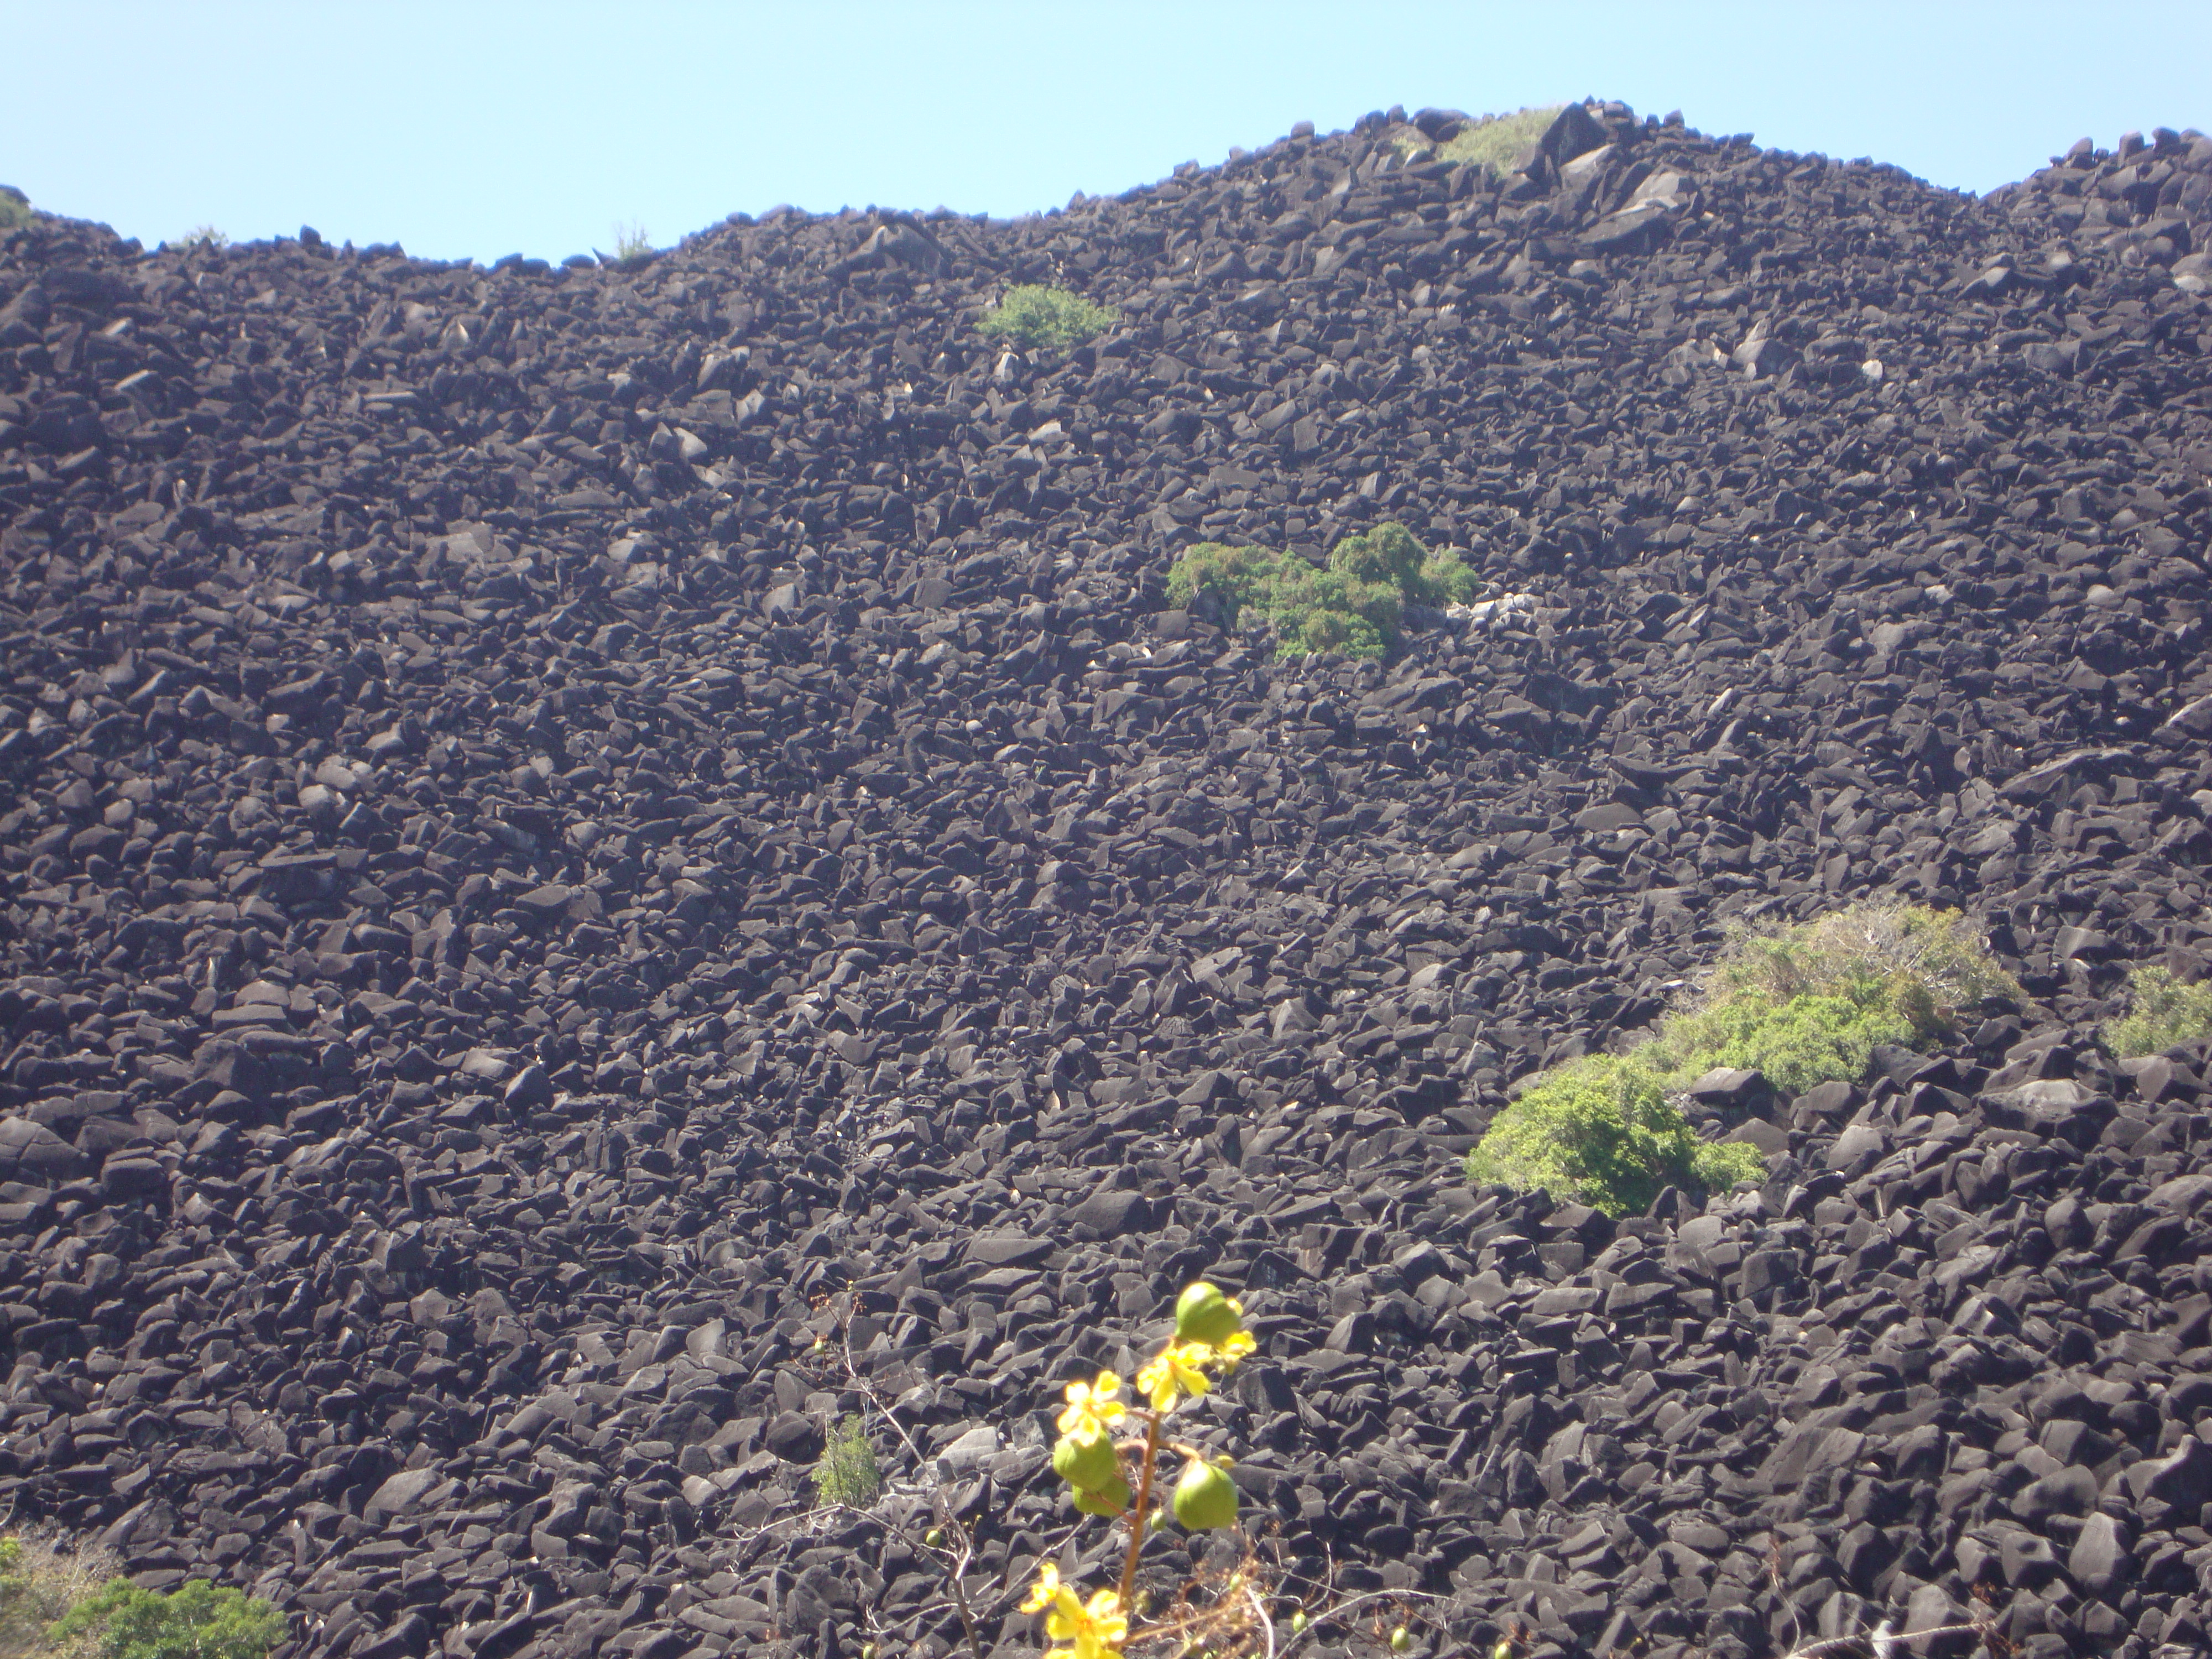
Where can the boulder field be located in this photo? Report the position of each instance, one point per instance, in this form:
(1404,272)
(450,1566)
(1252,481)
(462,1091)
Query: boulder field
(571,829)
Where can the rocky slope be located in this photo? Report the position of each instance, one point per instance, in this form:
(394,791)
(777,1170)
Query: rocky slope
(572,830)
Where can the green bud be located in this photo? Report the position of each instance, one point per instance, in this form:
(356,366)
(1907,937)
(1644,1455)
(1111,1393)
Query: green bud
(1401,1640)
(934,1538)
(1109,1500)
(1204,1315)
(1298,1622)
(1206,1498)
(1086,1465)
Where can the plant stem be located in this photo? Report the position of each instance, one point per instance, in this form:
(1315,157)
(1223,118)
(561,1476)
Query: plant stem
(1143,1505)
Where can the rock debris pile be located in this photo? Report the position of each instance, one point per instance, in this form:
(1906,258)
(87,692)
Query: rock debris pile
(570,828)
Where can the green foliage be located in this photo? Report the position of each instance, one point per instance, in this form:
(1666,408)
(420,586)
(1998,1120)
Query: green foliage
(39,1584)
(2163,1011)
(1235,576)
(1050,319)
(15,208)
(1494,142)
(631,246)
(1803,1006)
(197,1621)
(848,1473)
(1597,1131)
(1353,603)
(1806,1041)
(1926,964)
(203,236)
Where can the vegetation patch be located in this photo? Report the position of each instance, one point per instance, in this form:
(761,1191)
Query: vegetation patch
(15,208)
(1494,142)
(1599,1131)
(1803,1006)
(1037,317)
(39,1584)
(196,1621)
(633,248)
(2163,1011)
(1352,604)
(848,1473)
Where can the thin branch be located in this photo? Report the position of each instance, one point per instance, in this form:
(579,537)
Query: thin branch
(1881,1638)
(1260,1611)
(1314,1621)
(1137,1515)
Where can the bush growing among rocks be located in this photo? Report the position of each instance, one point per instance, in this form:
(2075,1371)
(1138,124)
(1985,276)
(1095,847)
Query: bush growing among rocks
(2163,1011)
(1352,604)
(1494,142)
(124,1620)
(848,1473)
(1801,1006)
(1599,1131)
(1039,318)
(15,208)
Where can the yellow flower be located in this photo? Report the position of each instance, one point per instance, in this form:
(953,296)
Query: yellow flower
(1095,1631)
(1234,1348)
(1093,1407)
(1178,1370)
(1045,1591)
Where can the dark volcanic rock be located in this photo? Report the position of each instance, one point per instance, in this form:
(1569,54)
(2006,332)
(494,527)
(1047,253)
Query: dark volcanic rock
(573,830)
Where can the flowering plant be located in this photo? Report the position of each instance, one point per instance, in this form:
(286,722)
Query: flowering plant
(1208,1341)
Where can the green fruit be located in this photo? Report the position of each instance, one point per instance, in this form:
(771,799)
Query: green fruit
(1109,1500)
(1086,1465)
(934,1538)
(1298,1622)
(1204,1315)
(1206,1498)
(1401,1640)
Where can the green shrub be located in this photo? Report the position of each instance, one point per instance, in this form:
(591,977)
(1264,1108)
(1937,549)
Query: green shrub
(1926,964)
(1494,142)
(632,247)
(199,1621)
(203,236)
(1803,1006)
(15,208)
(848,1473)
(2162,1011)
(1040,319)
(1353,603)
(39,1584)
(1798,1044)
(1599,1131)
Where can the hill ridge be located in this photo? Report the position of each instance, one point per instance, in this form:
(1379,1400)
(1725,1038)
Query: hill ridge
(571,825)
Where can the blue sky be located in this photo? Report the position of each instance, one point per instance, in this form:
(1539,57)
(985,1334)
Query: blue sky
(472,130)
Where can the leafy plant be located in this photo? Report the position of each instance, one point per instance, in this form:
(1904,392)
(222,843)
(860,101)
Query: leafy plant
(848,1473)
(197,1621)
(1802,1005)
(2163,1011)
(40,1583)
(1494,142)
(15,208)
(1353,603)
(1037,317)
(1797,1044)
(1599,1132)
(631,245)
(1114,1477)
(1926,964)
(203,236)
